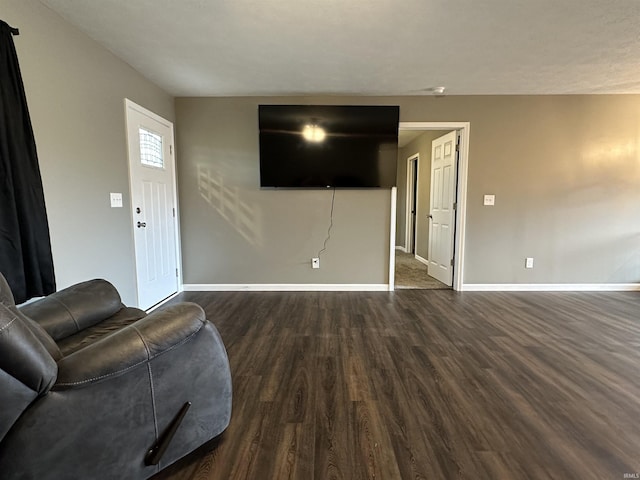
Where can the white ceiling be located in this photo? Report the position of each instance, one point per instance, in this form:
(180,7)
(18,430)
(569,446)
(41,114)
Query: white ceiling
(370,47)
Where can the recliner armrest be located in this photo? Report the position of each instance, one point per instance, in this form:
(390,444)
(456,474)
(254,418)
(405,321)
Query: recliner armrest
(75,308)
(131,346)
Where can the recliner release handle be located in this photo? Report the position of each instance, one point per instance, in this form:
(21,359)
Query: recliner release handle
(155,453)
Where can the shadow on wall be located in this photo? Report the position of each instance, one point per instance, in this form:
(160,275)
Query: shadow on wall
(227,201)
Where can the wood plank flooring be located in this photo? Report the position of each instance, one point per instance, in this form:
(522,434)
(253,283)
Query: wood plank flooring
(426,385)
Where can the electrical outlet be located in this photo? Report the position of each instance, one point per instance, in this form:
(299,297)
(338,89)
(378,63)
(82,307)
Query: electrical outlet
(490,200)
(315,263)
(528,263)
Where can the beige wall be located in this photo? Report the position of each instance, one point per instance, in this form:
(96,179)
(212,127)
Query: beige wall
(235,233)
(422,146)
(75,92)
(565,171)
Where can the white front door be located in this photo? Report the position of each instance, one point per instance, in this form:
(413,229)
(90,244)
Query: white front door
(443,196)
(152,179)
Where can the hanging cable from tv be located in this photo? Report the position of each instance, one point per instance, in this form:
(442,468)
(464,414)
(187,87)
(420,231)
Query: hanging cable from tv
(326,240)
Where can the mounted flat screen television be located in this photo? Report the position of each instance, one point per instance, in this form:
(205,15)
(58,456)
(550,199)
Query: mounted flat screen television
(328,146)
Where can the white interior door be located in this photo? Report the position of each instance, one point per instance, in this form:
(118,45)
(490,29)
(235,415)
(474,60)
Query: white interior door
(443,195)
(152,179)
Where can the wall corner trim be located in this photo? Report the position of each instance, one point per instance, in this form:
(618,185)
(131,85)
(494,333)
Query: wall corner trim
(286,287)
(550,287)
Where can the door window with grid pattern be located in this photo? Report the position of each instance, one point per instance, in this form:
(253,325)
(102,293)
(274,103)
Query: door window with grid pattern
(151,148)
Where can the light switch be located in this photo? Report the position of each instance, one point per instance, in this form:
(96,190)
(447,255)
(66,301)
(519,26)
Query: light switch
(489,199)
(116,200)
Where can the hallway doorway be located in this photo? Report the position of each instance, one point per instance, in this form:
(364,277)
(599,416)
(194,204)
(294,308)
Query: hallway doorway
(414,212)
(413,274)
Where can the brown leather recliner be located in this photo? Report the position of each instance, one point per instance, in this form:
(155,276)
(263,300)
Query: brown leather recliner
(90,388)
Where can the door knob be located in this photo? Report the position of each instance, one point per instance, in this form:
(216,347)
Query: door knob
(430,216)
(142,224)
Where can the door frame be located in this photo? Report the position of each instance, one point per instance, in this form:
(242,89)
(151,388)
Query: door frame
(464,128)
(408,241)
(129,104)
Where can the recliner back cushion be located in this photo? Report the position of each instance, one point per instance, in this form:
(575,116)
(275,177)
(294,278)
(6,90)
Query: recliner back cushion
(15,397)
(22,355)
(40,334)
(6,298)
(27,370)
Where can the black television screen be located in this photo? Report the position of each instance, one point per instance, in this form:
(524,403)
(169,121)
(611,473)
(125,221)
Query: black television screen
(320,146)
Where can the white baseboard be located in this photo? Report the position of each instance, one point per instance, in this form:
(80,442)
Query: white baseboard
(383,287)
(550,287)
(158,305)
(286,287)
(422,260)
(401,248)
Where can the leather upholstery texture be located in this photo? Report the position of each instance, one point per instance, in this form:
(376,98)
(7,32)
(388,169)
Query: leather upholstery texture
(90,404)
(75,308)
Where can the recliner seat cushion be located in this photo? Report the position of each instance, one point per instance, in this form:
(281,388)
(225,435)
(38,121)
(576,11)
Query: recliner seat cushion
(124,317)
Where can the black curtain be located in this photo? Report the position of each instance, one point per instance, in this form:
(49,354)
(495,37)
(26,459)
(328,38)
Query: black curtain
(25,247)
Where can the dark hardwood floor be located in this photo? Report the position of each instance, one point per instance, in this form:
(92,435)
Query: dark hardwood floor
(426,385)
